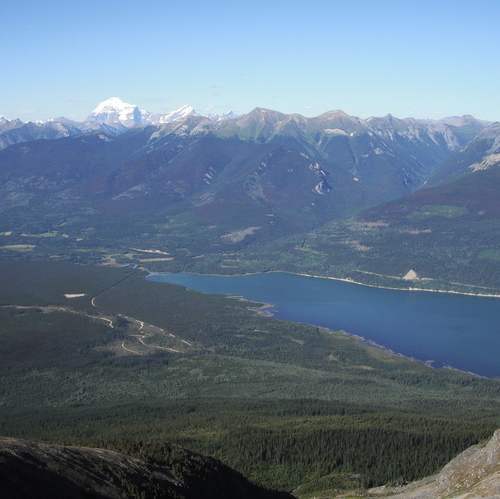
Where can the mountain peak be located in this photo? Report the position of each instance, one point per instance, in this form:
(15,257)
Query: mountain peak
(115,111)
(334,114)
(186,108)
(148,118)
(219,117)
(113,103)
(267,114)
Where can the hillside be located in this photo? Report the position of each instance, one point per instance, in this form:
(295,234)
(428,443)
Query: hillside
(473,474)
(481,153)
(446,237)
(36,470)
(29,470)
(99,357)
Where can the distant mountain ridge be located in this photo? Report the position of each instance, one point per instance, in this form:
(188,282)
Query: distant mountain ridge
(309,170)
(116,112)
(305,171)
(196,186)
(112,117)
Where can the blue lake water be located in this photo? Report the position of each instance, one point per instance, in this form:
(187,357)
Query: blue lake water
(460,331)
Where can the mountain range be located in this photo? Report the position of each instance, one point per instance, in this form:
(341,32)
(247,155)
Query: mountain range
(113,117)
(201,189)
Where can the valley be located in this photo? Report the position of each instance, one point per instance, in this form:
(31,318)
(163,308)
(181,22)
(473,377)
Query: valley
(433,328)
(216,377)
(93,354)
(265,191)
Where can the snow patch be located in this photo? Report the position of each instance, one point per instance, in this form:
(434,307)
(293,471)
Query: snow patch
(323,188)
(219,117)
(204,199)
(114,112)
(335,131)
(183,112)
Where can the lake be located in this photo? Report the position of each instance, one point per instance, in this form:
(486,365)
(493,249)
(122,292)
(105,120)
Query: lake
(459,331)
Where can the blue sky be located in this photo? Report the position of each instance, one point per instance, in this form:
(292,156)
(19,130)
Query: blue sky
(427,59)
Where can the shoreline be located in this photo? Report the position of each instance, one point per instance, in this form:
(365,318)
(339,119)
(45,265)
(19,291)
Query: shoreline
(342,279)
(392,288)
(370,343)
(362,341)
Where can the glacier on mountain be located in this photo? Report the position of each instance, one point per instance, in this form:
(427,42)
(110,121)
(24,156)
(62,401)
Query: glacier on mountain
(115,112)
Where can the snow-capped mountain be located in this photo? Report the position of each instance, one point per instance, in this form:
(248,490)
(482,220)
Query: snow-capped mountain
(112,117)
(148,118)
(114,111)
(218,117)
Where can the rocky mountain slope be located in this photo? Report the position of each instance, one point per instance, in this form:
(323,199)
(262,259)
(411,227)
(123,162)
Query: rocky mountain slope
(113,117)
(278,172)
(473,474)
(449,232)
(35,470)
(481,153)
(29,470)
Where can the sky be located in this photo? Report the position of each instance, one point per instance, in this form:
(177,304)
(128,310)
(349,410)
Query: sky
(419,58)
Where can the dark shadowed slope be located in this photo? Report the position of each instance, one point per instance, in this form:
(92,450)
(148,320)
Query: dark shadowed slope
(30,470)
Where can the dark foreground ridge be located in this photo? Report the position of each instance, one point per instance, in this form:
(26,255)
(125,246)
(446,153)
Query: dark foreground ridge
(29,470)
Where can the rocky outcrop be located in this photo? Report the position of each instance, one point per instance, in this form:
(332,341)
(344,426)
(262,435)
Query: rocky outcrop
(34,470)
(471,475)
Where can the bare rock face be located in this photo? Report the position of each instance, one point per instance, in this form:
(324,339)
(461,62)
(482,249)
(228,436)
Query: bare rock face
(34,470)
(471,475)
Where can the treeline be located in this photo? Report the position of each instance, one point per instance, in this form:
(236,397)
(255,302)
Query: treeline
(285,454)
(278,444)
(379,450)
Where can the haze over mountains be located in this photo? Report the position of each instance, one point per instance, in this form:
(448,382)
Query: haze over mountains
(217,185)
